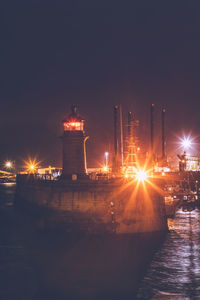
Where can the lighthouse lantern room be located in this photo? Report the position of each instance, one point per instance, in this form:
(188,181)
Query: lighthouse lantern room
(74,121)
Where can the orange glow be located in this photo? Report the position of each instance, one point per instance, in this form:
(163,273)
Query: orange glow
(8,164)
(74,125)
(138,174)
(105,169)
(146,191)
(141,175)
(142,188)
(31,166)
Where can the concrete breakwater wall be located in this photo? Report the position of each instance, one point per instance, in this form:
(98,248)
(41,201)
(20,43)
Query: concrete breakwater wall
(112,206)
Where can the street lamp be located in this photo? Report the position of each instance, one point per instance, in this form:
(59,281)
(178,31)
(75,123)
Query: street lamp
(8,164)
(31,166)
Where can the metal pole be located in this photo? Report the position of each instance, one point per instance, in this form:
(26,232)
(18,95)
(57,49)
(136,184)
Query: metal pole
(152,130)
(116,108)
(130,127)
(163,134)
(122,139)
(85,157)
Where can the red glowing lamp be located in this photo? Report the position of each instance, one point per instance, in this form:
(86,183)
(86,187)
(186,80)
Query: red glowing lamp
(74,122)
(73,125)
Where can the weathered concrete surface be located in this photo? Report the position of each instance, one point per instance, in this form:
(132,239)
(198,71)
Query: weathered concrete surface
(113,206)
(73,152)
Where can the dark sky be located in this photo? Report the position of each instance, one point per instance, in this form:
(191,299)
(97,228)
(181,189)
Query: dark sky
(95,54)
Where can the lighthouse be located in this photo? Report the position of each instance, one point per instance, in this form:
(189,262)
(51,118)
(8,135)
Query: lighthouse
(73,142)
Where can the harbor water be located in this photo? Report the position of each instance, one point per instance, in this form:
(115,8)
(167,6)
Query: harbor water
(174,272)
(40,264)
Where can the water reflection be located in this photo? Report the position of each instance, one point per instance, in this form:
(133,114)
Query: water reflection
(175,270)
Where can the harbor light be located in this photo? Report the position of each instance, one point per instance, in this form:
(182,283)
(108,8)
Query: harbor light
(105,169)
(141,175)
(186,143)
(31,166)
(8,164)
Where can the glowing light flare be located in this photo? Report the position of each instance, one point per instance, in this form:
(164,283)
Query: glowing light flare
(141,175)
(106,154)
(144,185)
(186,143)
(105,169)
(137,175)
(31,166)
(8,164)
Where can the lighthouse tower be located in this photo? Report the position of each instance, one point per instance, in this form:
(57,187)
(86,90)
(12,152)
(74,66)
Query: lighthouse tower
(73,140)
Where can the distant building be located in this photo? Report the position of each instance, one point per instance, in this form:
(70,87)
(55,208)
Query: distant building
(192,163)
(50,171)
(188,162)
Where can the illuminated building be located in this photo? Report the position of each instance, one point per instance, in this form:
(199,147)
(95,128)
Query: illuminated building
(188,162)
(50,171)
(73,141)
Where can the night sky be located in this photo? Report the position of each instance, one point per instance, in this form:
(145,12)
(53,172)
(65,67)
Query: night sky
(95,54)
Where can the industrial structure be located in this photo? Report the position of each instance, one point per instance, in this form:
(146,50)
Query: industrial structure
(126,140)
(163,137)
